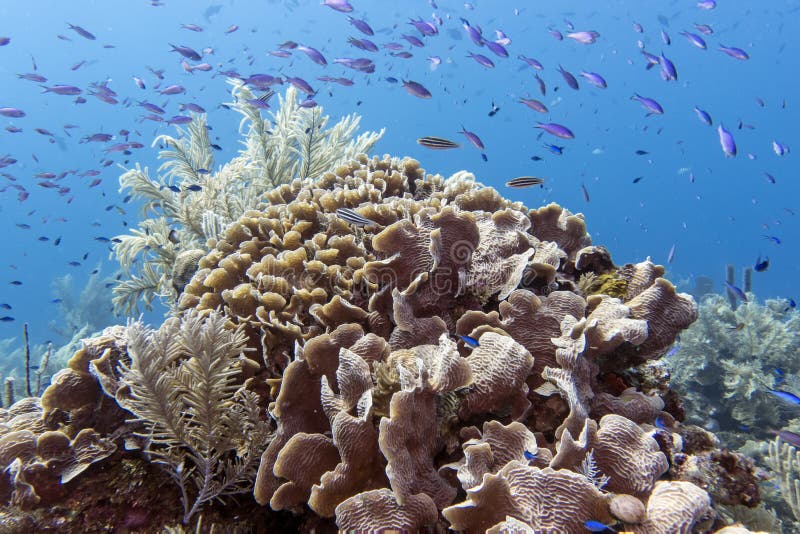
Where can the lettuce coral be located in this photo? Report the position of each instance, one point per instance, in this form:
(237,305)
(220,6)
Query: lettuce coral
(437,368)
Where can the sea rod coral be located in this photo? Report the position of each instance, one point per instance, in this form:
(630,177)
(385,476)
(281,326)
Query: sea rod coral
(375,411)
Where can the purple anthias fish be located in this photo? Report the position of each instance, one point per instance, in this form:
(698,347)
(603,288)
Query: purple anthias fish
(557,130)
(536,64)
(313,54)
(262,81)
(360,64)
(341,81)
(542,86)
(363,44)
(301,85)
(179,119)
(472,138)
(413,40)
(4,40)
(707,4)
(734,52)
(705,29)
(152,108)
(173,90)
(342,6)
(595,79)
(192,107)
(568,77)
(416,89)
(556,34)
(703,116)
(588,37)
(473,32)
(695,39)
(727,142)
(482,60)
(32,77)
(792,438)
(185,51)
(67,90)
(652,59)
(665,38)
(424,27)
(668,70)
(497,48)
(232,28)
(534,104)
(361,26)
(192,27)
(653,107)
(82,32)
(14,113)
(779,148)
(97,138)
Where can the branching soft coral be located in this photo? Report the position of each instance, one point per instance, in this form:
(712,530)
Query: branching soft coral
(728,358)
(203,427)
(192,203)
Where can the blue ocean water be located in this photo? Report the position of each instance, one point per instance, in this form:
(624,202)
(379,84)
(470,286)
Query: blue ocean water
(713,209)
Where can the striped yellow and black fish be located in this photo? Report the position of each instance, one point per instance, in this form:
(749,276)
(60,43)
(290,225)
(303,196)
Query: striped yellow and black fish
(524,181)
(353,217)
(437,143)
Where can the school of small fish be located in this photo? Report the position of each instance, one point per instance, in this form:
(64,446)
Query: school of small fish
(561,74)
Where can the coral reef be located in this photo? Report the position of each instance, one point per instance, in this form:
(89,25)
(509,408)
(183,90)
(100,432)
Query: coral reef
(730,357)
(436,366)
(191,203)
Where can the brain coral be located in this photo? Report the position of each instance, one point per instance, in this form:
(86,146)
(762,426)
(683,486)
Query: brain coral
(440,366)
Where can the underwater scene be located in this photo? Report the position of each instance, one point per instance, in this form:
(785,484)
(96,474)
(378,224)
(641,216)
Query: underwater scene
(424,266)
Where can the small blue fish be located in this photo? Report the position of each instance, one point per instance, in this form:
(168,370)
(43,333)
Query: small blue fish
(674,349)
(596,526)
(761,265)
(555,149)
(726,141)
(703,116)
(736,291)
(773,238)
(659,423)
(530,455)
(653,107)
(786,396)
(471,341)
(736,53)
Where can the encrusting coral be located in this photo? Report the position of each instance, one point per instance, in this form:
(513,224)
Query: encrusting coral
(434,367)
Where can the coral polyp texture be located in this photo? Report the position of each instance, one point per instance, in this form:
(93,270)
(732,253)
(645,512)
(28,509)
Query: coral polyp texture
(454,360)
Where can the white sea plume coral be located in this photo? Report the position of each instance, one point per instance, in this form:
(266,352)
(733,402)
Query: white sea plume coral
(200,425)
(295,143)
(729,358)
(190,204)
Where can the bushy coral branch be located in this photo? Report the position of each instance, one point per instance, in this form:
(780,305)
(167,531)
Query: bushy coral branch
(200,425)
(192,203)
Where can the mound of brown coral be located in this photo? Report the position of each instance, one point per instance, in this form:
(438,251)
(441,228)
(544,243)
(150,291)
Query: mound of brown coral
(463,361)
